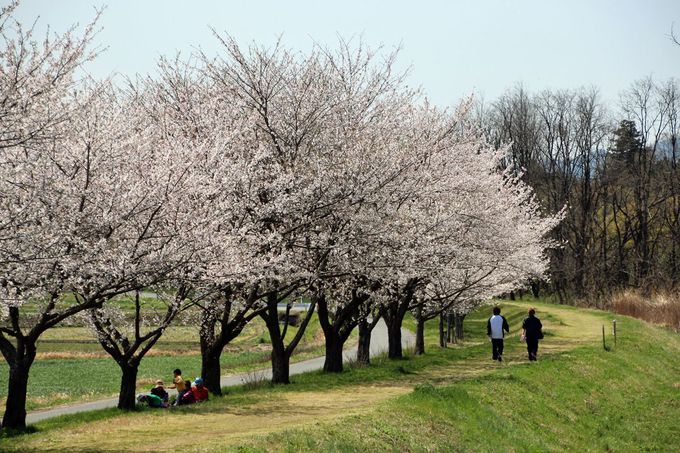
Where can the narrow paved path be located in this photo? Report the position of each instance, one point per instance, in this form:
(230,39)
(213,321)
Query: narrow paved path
(379,345)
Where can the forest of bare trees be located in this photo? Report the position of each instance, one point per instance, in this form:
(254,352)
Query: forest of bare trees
(613,168)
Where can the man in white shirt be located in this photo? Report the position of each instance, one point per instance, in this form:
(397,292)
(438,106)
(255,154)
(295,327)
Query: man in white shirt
(494,329)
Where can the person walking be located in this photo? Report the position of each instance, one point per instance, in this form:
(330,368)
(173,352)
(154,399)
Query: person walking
(532,331)
(494,329)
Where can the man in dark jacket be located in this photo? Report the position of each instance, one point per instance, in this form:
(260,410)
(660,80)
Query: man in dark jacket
(532,331)
(494,329)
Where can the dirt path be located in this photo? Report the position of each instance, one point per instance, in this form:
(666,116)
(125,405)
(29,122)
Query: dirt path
(225,425)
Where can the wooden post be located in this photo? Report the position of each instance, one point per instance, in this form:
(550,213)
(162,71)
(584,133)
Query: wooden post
(614,332)
(604,344)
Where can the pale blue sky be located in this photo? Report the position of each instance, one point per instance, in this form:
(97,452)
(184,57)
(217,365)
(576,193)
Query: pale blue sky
(454,47)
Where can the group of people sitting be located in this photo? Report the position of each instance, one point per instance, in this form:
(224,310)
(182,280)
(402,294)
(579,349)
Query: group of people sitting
(187,392)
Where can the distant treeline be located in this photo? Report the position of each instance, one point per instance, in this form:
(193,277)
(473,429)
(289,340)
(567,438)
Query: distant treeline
(613,168)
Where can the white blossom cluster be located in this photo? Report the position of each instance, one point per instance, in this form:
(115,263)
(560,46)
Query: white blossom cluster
(262,166)
(224,178)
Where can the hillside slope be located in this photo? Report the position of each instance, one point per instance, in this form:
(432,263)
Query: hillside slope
(578,397)
(583,399)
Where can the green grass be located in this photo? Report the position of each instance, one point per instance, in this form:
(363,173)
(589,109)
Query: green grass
(61,381)
(583,400)
(475,347)
(103,375)
(578,398)
(599,403)
(124,302)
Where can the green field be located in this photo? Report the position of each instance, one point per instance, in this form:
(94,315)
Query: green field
(578,397)
(72,367)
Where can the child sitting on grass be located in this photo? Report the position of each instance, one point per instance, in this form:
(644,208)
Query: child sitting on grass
(187,396)
(159,391)
(199,390)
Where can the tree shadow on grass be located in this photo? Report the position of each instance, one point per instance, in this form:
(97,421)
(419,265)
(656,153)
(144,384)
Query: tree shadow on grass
(8,433)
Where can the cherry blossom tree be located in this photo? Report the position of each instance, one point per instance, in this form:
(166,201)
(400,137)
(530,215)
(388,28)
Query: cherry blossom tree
(188,115)
(507,249)
(471,225)
(136,222)
(232,184)
(95,209)
(127,341)
(363,133)
(243,274)
(280,188)
(39,245)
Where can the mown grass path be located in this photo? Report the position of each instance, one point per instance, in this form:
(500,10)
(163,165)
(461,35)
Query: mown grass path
(379,344)
(312,399)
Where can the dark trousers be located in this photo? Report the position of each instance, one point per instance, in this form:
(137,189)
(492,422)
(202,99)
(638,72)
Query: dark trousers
(178,401)
(496,348)
(532,347)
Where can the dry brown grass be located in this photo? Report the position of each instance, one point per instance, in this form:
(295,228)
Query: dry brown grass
(104,354)
(213,429)
(660,308)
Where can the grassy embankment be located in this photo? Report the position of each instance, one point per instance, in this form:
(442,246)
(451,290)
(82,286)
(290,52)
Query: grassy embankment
(578,397)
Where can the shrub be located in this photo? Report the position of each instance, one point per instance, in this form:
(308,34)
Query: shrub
(660,308)
(293,319)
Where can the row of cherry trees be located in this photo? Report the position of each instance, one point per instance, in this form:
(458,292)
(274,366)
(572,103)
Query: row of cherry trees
(233,183)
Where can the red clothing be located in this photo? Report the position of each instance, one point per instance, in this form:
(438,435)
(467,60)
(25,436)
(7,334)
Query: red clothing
(200,393)
(187,397)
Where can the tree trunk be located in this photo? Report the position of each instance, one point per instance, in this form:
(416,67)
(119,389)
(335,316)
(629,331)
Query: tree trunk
(420,333)
(20,359)
(394,317)
(280,365)
(459,326)
(364,346)
(331,327)
(15,407)
(450,337)
(333,362)
(280,357)
(394,338)
(579,277)
(442,336)
(211,371)
(672,261)
(128,385)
